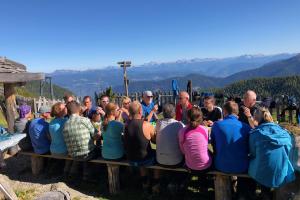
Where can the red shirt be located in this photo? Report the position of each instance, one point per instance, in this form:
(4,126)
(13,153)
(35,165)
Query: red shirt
(179,110)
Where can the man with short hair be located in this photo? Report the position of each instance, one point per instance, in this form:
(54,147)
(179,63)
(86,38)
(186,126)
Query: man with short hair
(149,108)
(88,108)
(137,136)
(104,100)
(248,108)
(39,131)
(167,143)
(211,113)
(78,132)
(182,107)
(230,140)
(79,135)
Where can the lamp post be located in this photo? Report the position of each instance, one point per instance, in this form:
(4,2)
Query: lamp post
(125,64)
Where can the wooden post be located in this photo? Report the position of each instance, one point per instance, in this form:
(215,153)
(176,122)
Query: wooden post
(222,187)
(37,165)
(290,116)
(10,102)
(190,89)
(113,178)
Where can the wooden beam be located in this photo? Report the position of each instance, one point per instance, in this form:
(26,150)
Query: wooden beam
(10,103)
(20,77)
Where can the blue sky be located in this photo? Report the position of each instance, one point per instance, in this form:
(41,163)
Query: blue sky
(71,34)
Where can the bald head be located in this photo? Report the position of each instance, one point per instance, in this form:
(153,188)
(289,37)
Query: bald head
(249,98)
(184,98)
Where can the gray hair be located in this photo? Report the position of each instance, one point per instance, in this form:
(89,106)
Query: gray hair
(168,111)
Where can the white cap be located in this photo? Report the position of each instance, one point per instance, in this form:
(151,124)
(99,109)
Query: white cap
(148,93)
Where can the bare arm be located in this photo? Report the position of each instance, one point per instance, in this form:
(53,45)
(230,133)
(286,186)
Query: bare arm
(153,111)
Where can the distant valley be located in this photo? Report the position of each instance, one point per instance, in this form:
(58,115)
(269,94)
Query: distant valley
(205,73)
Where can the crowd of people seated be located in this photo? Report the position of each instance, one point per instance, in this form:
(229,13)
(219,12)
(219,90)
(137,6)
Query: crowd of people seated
(237,138)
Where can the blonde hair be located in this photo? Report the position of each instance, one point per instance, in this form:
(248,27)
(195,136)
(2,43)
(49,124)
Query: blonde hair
(125,99)
(263,115)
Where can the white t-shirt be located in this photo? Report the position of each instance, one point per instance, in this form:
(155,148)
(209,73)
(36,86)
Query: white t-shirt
(167,143)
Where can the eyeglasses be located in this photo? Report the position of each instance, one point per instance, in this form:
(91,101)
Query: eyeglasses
(150,96)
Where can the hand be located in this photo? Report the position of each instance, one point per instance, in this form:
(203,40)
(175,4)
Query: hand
(155,108)
(210,123)
(119,112)
(247,112)
(101,111)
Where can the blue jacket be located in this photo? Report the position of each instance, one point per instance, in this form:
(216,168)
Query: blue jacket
(230,139)
(269,150)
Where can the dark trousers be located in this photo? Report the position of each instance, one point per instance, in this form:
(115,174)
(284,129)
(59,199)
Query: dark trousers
(81,162)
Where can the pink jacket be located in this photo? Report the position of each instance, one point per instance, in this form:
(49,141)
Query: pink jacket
(194,145)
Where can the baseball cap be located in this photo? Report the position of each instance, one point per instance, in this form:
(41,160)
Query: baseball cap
(148,93)
(44,109)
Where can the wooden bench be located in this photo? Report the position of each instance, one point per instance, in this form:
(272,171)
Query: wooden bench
(222,181)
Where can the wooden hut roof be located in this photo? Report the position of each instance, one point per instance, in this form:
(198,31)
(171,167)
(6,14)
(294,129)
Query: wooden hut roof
(9,66)
(13,72)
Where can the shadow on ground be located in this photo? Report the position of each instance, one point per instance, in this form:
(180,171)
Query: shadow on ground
(19,169)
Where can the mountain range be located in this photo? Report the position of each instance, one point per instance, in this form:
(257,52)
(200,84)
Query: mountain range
(209,72)
(281,68)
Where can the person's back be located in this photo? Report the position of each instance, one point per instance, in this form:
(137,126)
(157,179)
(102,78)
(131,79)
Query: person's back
(21,125)
(112,141)
(58,145)
(194,144)
(269,149)
(230,140)
(136,144)
(78,132)
(38,132)
(167,146)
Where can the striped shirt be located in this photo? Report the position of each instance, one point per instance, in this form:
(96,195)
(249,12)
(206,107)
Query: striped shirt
(78,134)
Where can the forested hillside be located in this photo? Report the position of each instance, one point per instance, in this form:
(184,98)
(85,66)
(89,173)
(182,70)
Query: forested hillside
(266,86)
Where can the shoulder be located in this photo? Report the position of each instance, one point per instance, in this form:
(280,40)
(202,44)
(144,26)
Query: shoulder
(178,123)
(147,124)
(116,123)
(202,128)
(246,126)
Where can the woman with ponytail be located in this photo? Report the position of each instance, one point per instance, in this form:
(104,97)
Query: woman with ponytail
(269,153)
(112,133)
(193,142)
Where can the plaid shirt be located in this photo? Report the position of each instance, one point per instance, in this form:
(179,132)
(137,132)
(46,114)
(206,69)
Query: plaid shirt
(78,134)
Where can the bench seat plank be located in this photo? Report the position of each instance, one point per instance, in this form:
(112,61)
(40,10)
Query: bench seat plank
(126,163)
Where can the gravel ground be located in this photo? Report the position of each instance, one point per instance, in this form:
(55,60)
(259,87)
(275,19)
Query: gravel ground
(26,186)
